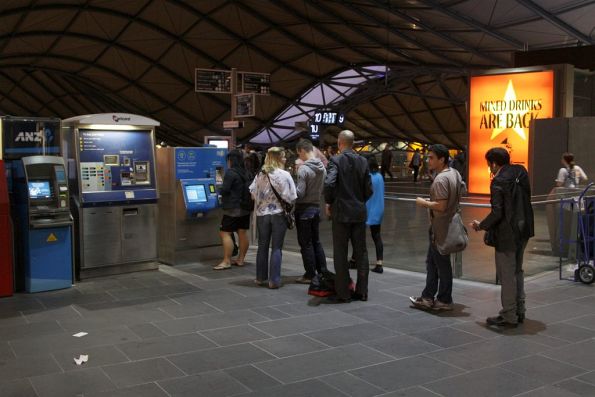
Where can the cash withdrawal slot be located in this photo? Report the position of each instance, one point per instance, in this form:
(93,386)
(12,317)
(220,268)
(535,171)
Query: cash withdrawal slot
(189,213)
(46,224)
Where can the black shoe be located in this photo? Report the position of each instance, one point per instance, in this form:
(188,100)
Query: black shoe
(236,250)
(499,321)
(359,297)
(334,299)
(521,317)
(378,269)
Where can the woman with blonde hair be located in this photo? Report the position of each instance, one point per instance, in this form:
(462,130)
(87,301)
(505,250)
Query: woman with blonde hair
(270,218)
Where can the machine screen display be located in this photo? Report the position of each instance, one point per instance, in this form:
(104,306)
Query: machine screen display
(60,175)
(40,190)
(196,194)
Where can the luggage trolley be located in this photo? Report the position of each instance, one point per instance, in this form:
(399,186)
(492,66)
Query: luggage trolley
(583,208)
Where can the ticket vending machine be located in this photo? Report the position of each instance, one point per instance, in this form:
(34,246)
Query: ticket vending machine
(189,214)
(45,223)
(6,264)
(111,160)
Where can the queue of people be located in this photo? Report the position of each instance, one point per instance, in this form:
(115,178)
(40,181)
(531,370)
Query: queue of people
(352,188)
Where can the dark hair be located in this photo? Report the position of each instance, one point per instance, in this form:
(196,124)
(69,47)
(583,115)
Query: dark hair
(569,158)
(440,151)
(305,145)
(236,159)
(373,164)
(498,155)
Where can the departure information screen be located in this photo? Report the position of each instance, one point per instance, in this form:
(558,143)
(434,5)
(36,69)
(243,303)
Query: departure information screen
(196,194)
(40,190)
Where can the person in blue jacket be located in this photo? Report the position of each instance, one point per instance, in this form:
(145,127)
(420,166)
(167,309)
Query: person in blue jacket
(375,207)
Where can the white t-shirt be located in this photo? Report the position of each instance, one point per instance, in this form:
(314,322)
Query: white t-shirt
(571,178)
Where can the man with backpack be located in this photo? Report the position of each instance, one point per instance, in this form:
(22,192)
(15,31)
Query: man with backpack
(508,228)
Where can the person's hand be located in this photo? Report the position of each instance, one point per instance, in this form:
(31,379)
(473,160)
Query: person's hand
(475,225)
(421,202)
(328,210)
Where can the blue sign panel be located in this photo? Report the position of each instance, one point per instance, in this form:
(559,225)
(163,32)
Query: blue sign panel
(193,163)
(28,137)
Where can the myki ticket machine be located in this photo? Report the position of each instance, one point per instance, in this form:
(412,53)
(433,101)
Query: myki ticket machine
(45,223)
(111,160)
(189,215)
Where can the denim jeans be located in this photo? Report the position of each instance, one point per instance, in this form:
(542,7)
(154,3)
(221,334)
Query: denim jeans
(307,223)
(439,275)
(271,232)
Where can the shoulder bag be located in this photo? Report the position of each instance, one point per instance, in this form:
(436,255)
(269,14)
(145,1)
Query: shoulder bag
(287,207)
(456,238)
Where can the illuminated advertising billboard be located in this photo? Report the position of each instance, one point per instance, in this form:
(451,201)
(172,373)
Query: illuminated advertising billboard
(501,107)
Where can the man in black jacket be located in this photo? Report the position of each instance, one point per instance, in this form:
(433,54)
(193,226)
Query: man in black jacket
(509,226)
(346,189)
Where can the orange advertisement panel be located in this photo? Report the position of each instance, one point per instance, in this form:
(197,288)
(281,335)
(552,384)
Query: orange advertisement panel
(501,108)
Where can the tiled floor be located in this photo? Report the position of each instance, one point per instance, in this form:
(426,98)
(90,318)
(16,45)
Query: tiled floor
(190,331)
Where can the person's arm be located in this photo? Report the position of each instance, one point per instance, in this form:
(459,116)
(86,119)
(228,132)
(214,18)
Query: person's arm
(368,189)
(497,212)
(253,186)
(582,173)
(561,177)
(438,205)
(441,192)
(225,188)
(301,182)
(330,182)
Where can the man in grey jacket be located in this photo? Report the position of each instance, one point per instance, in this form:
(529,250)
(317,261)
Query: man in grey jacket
(310,182)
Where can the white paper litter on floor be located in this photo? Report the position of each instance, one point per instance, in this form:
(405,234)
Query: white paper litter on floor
(82,359)
(80,334)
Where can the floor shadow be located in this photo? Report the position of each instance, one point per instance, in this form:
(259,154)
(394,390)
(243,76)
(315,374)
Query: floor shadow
(528,327)
(285,280)
(457,311)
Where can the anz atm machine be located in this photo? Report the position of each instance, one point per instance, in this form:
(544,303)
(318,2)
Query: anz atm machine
(111,162)
(189,219)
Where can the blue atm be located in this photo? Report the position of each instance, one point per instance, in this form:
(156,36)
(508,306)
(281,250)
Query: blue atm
(200,196)
(45,223)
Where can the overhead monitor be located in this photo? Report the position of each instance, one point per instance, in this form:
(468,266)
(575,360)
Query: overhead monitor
(39,190)
(196,193)
(328,118)
(220,143)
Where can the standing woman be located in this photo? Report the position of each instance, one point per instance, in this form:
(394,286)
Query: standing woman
(235,218)
(571,174)
(375,208)
(270,218)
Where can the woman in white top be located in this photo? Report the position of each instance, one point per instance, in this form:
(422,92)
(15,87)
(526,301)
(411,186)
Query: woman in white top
(270,219)
(571,174)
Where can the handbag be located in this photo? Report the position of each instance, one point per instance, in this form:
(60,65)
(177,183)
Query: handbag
(457,238)
(287,207)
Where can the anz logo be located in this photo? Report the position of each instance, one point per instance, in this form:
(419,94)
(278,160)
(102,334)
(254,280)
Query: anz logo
(35,136)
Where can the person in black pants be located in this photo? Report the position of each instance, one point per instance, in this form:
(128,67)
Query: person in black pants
(346,189)
(310,181)
(387,160)
(415,164)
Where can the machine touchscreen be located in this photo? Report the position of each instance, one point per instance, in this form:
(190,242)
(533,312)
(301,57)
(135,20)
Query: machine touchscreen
(40,190)
(196,194)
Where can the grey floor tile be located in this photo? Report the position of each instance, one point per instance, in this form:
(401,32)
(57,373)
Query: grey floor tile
(252,377)
(405,373)
(6,351)
(95,320)
(72,383)
(587,378)
(23,367)
(580,354)
(549,391)
(577,387)
(351,334)
(98,356)
(417,391)
(309,388)
(219,358)
(402,346)
(235,302)
(305,366)
(212,384)
(555,312)
(290,345)
(584,321)
(144,390)
(17,388)
(30,331)
(164,346)
(153,291)
(146,331)
(270,313)
(209,321)
(375,313)
(447,337)
(189,310)
(53,314)
(488,382)
(235,335)
(417,322)
(542,369)
(302,309)
(569,332)
(139,372)
(351,385)
(315,322)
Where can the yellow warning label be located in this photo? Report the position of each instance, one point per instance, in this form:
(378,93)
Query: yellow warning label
(51,238)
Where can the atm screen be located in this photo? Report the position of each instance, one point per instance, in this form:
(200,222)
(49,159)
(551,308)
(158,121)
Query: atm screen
(196,193)
(40,190)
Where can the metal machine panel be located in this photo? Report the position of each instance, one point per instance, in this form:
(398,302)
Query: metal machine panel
(139,230)
(102,231)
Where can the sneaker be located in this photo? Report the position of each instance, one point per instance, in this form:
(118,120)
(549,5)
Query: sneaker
(442,306)
(421,303)
(303,280)
(499,321)
(378,269)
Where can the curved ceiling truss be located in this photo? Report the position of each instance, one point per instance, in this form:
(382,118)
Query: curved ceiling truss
(71,57)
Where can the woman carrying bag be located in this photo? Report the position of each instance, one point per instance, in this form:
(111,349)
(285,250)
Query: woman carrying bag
(273,191)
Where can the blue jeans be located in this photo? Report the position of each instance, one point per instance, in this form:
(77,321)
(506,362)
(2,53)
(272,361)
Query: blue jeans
(307,224)
(271,228)
(439,275)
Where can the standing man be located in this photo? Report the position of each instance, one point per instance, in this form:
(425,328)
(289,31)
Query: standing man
(386,162)
(346,189)
(310,182)
(415,164)
(509,227)
(445,194)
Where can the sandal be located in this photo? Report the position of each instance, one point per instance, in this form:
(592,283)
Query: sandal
(222,266)
(238,264)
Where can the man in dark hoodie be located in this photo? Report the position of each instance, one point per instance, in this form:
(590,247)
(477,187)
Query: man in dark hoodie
(310,182)
(508,227)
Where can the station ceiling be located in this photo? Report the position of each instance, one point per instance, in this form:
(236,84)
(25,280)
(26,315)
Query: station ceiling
(72,57)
